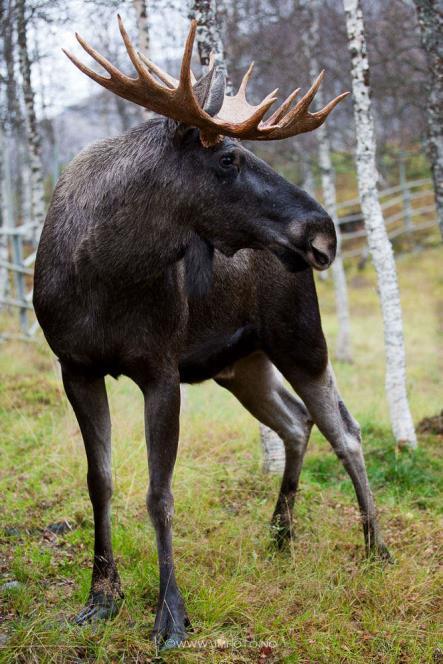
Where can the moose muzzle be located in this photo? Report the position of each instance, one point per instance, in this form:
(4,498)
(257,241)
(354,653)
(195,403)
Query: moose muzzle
(321,250)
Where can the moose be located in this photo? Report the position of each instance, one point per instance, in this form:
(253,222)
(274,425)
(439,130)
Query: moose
(172,254)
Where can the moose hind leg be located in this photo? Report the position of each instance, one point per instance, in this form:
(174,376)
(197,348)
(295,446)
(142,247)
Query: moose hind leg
(89,402)
(259,387)
(330,414)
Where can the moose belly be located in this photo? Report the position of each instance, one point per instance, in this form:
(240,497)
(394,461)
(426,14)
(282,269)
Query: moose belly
(207,359)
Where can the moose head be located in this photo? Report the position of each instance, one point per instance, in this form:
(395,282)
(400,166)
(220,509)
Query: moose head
(229,197)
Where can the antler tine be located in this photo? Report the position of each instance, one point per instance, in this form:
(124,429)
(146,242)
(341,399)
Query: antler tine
(185,70)
(108,66)
(282,110)
(140,68)
(306,100)
(263,107)
(166,78)
(298,119)
(245,81)
(302,106)
(324,112)
(102,80)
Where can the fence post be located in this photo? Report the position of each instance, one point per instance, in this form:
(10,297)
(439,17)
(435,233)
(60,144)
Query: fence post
(19,277)
(406,193)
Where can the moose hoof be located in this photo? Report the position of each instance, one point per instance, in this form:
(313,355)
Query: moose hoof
(101,606)
(281,533)
(173,641)
(381,552)
(170,627)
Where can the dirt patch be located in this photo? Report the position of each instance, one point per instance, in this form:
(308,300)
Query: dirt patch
(432,425)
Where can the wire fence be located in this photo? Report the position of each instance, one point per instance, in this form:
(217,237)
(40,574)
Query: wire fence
(408,208)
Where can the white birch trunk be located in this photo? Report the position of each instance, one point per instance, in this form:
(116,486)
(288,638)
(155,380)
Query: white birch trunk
(430,18)
(33,138)
(142,17)
(378,241)
(209,36)
(4,214)
(343,350)
(308,184)
(273,451)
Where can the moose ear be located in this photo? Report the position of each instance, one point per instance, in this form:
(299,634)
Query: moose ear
(210,90)
(210,93)
(199,258)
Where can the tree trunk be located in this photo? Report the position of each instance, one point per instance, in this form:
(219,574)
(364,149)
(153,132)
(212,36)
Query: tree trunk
(311,42)
(308,184)
(378,241)
(14,125)
(33,138)
(273,451)
(4,213)
(142,14)
(209,36)
(430,18)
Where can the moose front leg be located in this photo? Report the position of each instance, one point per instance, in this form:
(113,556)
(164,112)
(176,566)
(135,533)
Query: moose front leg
(89,401)
(162,409)
(330,414)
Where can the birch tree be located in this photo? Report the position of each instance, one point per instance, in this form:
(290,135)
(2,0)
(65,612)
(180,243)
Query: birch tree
(311,44)
(144,44)
(3,238)
(33,137)
(430,18)
(13,121)
(378,241)
(3,217)
(209,39)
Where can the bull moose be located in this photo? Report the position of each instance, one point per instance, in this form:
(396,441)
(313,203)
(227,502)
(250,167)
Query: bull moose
(172,254)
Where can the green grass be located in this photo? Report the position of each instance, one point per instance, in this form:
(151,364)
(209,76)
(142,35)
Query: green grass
(320,601)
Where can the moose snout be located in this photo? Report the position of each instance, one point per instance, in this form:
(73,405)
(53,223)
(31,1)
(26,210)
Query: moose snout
(321,250)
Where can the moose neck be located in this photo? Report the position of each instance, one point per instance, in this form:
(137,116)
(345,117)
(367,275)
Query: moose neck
(130,230)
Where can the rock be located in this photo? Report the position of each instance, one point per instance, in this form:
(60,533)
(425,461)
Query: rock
(60,527)
(10,585)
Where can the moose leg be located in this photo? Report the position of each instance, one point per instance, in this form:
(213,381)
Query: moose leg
(330,414)
(259,387)
(89,401)
(162,409)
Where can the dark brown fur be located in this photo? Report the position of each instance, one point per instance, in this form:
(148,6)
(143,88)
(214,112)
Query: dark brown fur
(160,261)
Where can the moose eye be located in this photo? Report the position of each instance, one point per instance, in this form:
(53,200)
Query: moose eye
(227,160)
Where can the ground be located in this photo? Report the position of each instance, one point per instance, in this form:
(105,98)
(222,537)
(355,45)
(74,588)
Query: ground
(319,601)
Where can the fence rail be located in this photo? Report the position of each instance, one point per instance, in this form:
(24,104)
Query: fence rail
(407,209)
(403,213)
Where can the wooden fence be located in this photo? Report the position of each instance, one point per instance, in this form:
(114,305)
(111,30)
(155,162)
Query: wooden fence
(408,208)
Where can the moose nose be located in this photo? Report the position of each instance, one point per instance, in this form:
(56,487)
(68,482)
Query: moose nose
(321,251)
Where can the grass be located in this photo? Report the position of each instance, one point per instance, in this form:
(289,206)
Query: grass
(320,601)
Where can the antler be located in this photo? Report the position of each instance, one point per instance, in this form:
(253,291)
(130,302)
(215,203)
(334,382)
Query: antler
(176,99)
